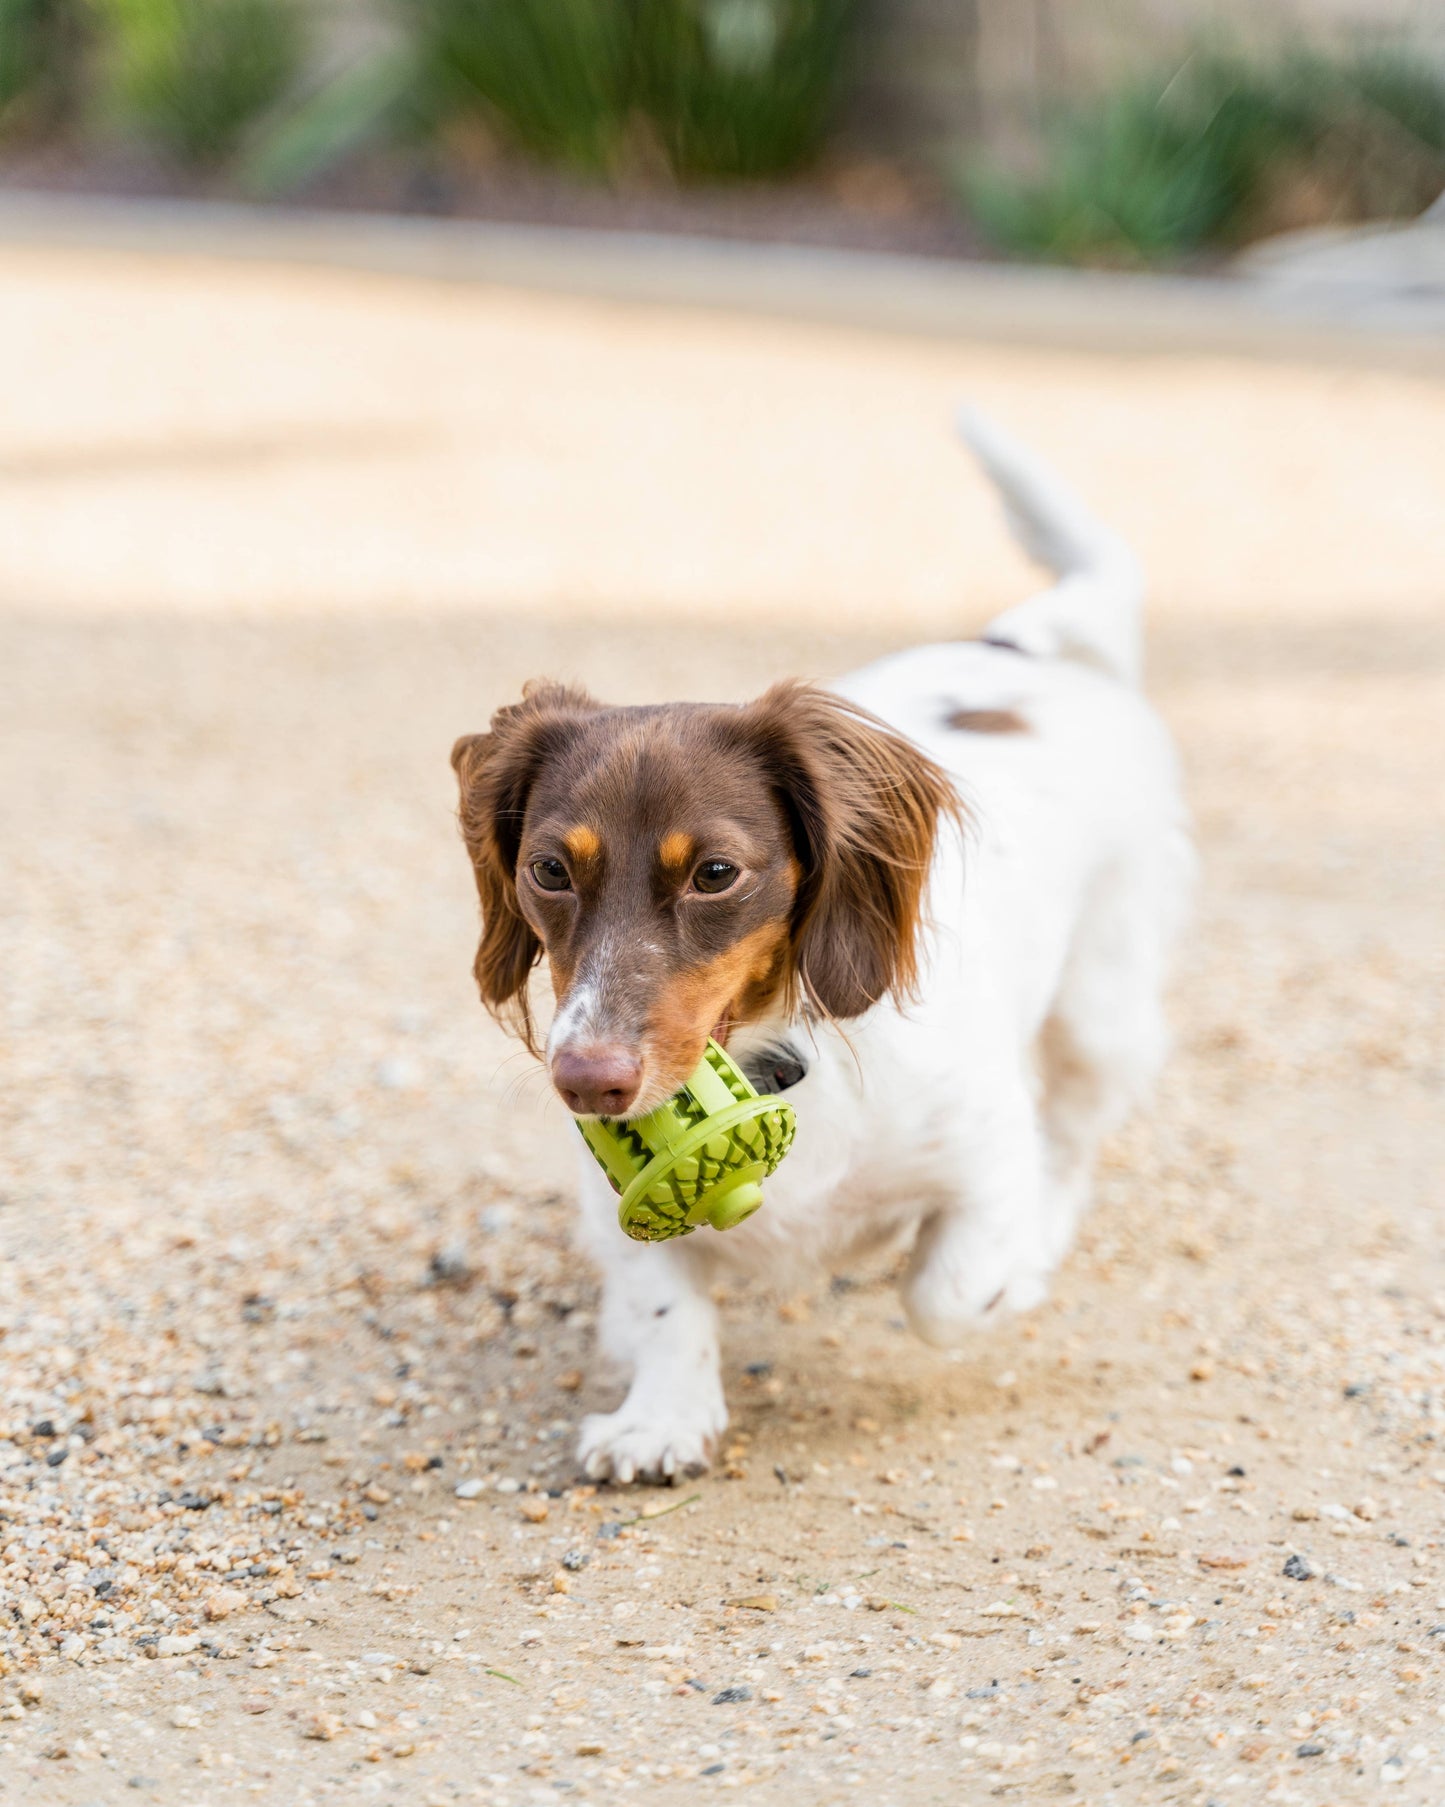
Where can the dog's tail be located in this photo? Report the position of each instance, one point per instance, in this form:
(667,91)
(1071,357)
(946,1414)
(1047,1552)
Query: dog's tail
(1093,614)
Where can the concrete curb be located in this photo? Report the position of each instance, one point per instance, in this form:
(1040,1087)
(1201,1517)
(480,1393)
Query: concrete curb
(1009,304)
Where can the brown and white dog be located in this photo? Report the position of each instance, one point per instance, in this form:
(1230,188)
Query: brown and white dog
(934,903)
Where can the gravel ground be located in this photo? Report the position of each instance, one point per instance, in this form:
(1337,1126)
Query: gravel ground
(292,1345)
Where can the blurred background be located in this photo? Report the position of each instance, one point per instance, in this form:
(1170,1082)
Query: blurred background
(360,360)
(296,488)
(1129,132)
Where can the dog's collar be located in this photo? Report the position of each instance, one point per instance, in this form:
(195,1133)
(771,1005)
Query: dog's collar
(775,1069)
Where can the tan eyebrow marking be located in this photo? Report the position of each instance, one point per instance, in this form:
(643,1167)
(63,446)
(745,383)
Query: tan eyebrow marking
(582,843)
(675,850)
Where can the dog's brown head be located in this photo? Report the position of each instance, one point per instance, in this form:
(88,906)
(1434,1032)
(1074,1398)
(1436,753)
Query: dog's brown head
(689,867)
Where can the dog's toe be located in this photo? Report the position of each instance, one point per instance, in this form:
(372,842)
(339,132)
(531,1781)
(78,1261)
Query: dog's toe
(622,1448)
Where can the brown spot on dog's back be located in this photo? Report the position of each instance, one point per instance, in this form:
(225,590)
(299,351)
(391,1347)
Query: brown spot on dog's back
(675,851)
(987,721)
(582,843)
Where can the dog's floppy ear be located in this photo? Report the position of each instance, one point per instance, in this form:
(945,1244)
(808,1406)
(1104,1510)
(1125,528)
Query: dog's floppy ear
(495,772)
(864,806)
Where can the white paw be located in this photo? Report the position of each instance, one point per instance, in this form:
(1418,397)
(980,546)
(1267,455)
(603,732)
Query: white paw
(957,1285)
(635,1444)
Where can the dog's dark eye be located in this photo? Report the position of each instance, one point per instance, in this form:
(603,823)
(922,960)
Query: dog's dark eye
(551,875)
(714,875)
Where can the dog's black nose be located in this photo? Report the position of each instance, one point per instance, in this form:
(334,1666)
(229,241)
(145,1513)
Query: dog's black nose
(600,1081)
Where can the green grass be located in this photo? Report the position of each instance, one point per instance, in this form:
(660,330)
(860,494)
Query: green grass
(1207,156)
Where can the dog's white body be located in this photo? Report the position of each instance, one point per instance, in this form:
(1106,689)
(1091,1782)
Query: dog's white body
(968,1121)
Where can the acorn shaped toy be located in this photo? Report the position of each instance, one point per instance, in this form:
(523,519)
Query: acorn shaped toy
(700,1158)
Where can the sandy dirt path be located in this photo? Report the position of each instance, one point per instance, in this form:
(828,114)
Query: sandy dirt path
(292,1346)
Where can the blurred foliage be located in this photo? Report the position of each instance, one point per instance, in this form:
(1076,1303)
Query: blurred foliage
(740,87)
(715,88)
(710,88)
(377,100)
(42,46)
(197,74)
(553,75)
(1223,150)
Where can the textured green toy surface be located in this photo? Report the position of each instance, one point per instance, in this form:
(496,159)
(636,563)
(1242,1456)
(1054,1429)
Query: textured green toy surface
(699,1158)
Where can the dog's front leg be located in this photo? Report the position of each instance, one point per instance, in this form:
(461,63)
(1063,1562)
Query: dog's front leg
(658,1320)
(983,1248)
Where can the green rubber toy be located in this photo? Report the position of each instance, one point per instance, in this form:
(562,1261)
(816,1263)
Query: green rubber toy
(700,1158)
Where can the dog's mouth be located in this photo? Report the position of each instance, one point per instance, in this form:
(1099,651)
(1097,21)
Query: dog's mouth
(656,1089)
(651,1088)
